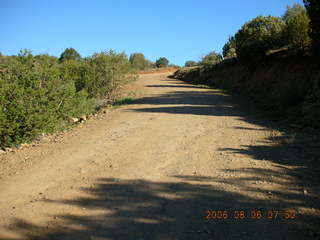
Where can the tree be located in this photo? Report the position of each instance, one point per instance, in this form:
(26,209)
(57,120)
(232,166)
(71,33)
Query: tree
(297,27)
(162,62)
(313,9)
(69,54)
(258,36)
(210,59)
(190,64)
(138,61)
(229,49)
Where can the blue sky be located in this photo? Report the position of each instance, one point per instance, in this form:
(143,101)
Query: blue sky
(180,30)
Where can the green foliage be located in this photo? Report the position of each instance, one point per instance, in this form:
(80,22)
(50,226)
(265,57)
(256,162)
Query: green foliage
(258,36)
(297,26)
(162,62)
(69,54)
(38,94)
(211,59)
(190,63)
(229,49)
(173,66)
(139,62)
(108,70)
(313,9)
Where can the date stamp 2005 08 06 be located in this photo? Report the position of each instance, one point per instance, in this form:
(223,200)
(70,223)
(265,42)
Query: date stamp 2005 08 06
(251,214)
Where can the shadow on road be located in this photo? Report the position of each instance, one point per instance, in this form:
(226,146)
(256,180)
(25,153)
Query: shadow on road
(145,210)
(138,209)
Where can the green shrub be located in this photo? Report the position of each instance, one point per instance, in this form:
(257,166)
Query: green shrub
(39,95)
(162,62)
(211,59)
(35,99)
(258,36)
(190,64)
(69,54)
(313,9)
(108,70)
(229,49)
(297,26)
(139,62)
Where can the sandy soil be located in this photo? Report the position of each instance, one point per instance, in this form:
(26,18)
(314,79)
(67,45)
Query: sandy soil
(180,162)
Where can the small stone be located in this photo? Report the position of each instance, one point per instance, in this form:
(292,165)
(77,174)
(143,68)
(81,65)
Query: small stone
(24,145)
(9,150)
(74,120)
(83,118)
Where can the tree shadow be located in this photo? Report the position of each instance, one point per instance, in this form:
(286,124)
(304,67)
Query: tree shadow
(203,101)
(139,209)
(146,210)
(297,149)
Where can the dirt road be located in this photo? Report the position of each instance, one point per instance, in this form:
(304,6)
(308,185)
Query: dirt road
(152,170)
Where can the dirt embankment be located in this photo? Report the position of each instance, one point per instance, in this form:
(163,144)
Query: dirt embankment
(285,83)
(180,162)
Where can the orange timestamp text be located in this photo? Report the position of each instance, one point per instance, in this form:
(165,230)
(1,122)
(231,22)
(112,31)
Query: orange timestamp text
(249,214)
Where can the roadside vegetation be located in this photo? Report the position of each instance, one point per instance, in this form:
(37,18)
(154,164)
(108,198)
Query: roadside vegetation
(140,63)
(273,60)
(40,94)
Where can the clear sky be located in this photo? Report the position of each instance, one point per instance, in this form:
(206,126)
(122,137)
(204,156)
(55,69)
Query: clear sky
(180,30)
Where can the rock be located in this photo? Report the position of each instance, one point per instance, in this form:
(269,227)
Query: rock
(83,118)
(9,150)
(24,145)
(74,120)
(2,152)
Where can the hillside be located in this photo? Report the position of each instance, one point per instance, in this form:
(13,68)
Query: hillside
(285,83)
